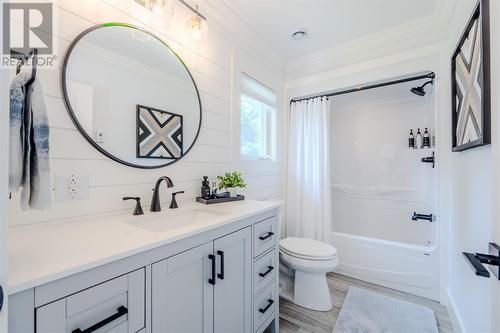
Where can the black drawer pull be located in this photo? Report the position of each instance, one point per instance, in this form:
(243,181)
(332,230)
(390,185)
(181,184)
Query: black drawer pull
(269,234)
(269,270)
(221,274)
(212,279)
(121,311)
(270,302)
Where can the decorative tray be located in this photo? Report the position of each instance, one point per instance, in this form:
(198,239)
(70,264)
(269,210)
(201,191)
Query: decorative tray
(219,200)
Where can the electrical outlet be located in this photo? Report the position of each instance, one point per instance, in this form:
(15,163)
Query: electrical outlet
(72,187)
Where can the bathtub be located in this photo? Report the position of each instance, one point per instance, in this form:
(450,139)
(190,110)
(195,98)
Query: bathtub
(406,267)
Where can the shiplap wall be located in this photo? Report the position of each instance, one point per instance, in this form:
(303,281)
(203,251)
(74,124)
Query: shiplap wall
(214,153)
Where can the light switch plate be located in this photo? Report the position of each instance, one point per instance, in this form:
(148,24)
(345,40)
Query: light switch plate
(71,187)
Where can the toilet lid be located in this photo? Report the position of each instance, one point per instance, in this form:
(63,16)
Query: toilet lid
(307,248)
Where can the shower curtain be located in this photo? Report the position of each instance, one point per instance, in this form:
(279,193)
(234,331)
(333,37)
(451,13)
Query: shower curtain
(309,212)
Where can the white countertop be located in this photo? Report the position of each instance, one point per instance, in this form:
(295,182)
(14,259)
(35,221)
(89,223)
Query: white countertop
(46,252)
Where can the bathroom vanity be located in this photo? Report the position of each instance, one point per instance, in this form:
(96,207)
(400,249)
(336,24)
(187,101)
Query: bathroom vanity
(194,269)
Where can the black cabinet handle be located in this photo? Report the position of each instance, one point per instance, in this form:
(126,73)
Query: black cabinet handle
(269,234)
(269,270)
(221,275)
(270,302)
(1,298)
(121,311)
(212,279)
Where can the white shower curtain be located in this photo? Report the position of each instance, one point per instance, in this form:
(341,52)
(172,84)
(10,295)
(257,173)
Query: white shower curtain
(309,212)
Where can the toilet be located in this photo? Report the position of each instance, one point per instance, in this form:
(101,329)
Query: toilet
(303,267)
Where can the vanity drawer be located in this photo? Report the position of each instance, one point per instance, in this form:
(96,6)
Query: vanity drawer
(264,236)
(264,270)
(264,305)
(117,305)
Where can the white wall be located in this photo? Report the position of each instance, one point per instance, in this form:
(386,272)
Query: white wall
(471,215)
(211,64)
(495,121)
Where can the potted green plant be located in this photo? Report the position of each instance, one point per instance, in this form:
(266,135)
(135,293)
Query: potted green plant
(231,181)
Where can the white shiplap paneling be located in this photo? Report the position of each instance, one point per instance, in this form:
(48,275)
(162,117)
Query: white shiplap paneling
(210,65)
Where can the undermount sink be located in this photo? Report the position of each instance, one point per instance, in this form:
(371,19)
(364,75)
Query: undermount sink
(170,220)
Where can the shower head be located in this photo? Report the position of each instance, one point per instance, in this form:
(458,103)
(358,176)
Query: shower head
(420,90)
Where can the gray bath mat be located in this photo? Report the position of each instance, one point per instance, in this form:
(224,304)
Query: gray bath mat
(368,312)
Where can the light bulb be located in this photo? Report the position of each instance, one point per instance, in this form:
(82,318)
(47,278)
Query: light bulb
(162,11)
(196,27)
(157,7)
(196,23)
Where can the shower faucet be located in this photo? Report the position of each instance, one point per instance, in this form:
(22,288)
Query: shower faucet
(425,217)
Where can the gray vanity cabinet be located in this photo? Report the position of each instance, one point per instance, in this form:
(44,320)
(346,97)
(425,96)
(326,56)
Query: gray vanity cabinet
(114,306)
(233,290)
(181,296)
(186,299)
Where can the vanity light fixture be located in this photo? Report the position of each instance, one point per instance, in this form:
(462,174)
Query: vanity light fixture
(196,23)
(162,11)
(157,7)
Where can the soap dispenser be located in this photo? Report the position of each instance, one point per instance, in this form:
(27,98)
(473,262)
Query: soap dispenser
(205,188)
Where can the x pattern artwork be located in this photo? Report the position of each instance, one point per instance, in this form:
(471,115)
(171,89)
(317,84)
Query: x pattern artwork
(468,76)
(159,134)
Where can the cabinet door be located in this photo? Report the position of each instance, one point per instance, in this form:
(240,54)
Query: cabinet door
(182,297)
(233,288)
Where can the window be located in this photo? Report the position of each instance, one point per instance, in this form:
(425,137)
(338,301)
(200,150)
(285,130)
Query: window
(258,119)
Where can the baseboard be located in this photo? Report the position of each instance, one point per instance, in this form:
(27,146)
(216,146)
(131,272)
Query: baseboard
(456,320)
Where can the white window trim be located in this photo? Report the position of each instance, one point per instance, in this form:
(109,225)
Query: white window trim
(268,122)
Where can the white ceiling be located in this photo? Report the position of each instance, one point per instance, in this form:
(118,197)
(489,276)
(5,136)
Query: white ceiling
(329,22)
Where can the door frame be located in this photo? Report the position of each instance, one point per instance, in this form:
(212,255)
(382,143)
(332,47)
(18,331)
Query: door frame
(4,190)
(495,151)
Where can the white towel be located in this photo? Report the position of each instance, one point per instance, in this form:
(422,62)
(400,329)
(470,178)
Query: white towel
(34,134)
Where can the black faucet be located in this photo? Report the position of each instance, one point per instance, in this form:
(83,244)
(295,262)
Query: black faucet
(173,203)
(155,201)
(138,208)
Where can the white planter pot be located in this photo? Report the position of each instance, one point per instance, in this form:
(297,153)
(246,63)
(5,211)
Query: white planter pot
(232,191)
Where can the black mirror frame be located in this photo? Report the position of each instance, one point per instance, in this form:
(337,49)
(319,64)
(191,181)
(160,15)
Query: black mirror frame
(75,119)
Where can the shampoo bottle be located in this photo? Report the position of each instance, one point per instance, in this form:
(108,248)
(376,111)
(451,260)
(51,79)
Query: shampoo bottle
(418,140)
(411,140)
(427,139)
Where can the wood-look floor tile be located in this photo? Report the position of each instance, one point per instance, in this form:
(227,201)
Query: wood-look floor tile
(295,319)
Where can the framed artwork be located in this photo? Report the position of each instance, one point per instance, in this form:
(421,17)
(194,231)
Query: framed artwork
(470,71)
(159,133)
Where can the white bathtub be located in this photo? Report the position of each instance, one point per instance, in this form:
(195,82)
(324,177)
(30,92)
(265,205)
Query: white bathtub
(406,267)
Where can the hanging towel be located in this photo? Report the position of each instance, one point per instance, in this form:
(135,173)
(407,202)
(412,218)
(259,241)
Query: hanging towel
(16,148)
(32,144)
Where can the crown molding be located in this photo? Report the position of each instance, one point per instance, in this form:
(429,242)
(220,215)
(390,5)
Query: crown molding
(431,29)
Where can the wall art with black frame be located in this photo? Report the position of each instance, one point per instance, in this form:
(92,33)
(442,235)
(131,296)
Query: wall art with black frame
(471,106)
(159,133)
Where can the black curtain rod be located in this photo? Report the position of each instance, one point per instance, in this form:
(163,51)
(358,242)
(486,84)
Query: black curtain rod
(430,75)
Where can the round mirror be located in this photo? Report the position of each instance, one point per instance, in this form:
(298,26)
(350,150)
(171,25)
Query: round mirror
(131,96)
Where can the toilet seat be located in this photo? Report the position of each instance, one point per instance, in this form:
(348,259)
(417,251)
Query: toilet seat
(307,249)
(308,265)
